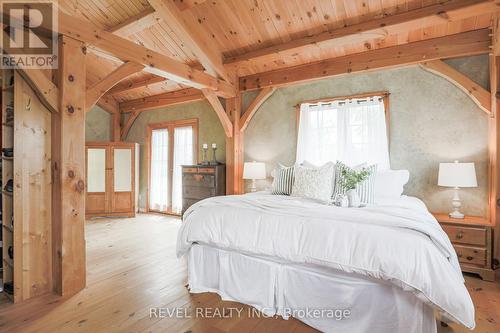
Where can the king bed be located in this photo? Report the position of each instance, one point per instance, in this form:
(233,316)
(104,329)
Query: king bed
(387,267)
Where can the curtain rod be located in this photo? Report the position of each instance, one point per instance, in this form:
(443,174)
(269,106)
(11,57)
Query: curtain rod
(343,98)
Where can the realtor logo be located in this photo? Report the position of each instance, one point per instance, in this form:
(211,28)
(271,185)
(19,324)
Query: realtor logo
(29,37)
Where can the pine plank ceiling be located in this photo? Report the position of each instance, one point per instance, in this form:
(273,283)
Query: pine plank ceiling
(236,27)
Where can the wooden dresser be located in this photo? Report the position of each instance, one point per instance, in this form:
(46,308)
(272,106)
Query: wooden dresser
(202,181)
(473,241)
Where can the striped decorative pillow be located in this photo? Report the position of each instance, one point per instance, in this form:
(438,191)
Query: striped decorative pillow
(366,190)
(283,180)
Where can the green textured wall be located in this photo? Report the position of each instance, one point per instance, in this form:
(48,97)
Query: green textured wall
(209,131)
(97,125)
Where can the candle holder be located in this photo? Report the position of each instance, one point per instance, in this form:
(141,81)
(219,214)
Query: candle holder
(214,158)
(205,156)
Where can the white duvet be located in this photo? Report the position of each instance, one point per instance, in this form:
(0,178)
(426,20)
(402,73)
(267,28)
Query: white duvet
(398,241)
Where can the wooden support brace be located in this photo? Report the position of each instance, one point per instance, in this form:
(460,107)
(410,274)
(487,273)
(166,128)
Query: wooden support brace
(130,121)
(254,106)
(219,109)
(478,94)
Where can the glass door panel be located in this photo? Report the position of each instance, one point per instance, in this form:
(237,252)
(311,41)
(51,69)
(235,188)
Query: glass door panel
(123,170)
(96,170)
(159,173)
(183,155)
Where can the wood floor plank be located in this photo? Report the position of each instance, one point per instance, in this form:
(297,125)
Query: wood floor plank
(132,268)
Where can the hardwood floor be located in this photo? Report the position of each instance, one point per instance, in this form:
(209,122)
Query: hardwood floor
(132,267)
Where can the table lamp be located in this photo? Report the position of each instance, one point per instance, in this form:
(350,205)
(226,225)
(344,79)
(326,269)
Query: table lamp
(254,170)
(457,175)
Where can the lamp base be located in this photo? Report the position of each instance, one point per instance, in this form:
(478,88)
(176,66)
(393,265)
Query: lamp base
(456,215)
(457,204)
(253,188)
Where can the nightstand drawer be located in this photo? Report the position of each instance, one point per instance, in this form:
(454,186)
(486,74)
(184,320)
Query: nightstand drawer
(470,255)
(466,235)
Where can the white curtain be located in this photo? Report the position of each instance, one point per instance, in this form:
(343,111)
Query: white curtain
(352,131)
(183,154)
(158,195)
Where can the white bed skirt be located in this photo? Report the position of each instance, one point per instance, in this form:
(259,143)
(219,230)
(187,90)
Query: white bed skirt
(326,299)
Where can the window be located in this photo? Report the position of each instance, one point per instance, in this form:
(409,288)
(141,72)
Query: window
(351,130)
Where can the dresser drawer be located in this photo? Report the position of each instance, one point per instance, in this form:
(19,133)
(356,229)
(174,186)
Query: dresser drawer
(466,235)
(470,255)
(194,192)
(200,180)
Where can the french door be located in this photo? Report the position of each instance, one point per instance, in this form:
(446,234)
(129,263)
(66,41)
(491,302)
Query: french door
(171,145)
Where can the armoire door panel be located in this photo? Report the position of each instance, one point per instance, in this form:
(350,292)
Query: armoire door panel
(122,202)
(95,203)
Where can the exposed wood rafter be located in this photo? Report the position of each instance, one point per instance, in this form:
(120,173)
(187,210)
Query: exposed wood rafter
(136,23)
(462,44)
(441,13)
(227,125)
(263,95)
(161,100)
(95,92)
(478,94)
(130,86)
(192,35)
(155,62)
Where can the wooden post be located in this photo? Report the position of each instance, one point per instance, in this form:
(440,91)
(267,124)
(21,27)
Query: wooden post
(68,153)
(115,126)
(494,138)
(234,148)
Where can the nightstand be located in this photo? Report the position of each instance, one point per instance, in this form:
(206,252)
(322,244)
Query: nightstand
(473,241)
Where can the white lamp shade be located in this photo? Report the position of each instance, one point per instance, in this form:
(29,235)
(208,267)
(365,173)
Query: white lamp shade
(457,175)
(254,170)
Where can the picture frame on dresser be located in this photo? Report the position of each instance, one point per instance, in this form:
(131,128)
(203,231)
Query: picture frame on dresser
(472,239)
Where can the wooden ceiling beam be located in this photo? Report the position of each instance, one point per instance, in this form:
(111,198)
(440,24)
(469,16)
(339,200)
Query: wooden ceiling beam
(156,63)
(478,94)
(441,13)
(137,23)
(95,92)
(462,44)
(263,95)
(130,86)
(227,125)
(193,36)
(161,100)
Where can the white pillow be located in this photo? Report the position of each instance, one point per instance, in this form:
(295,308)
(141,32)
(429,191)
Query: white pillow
(389,184)
(314,183)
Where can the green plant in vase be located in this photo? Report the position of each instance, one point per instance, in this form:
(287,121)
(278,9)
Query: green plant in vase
(350,180)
